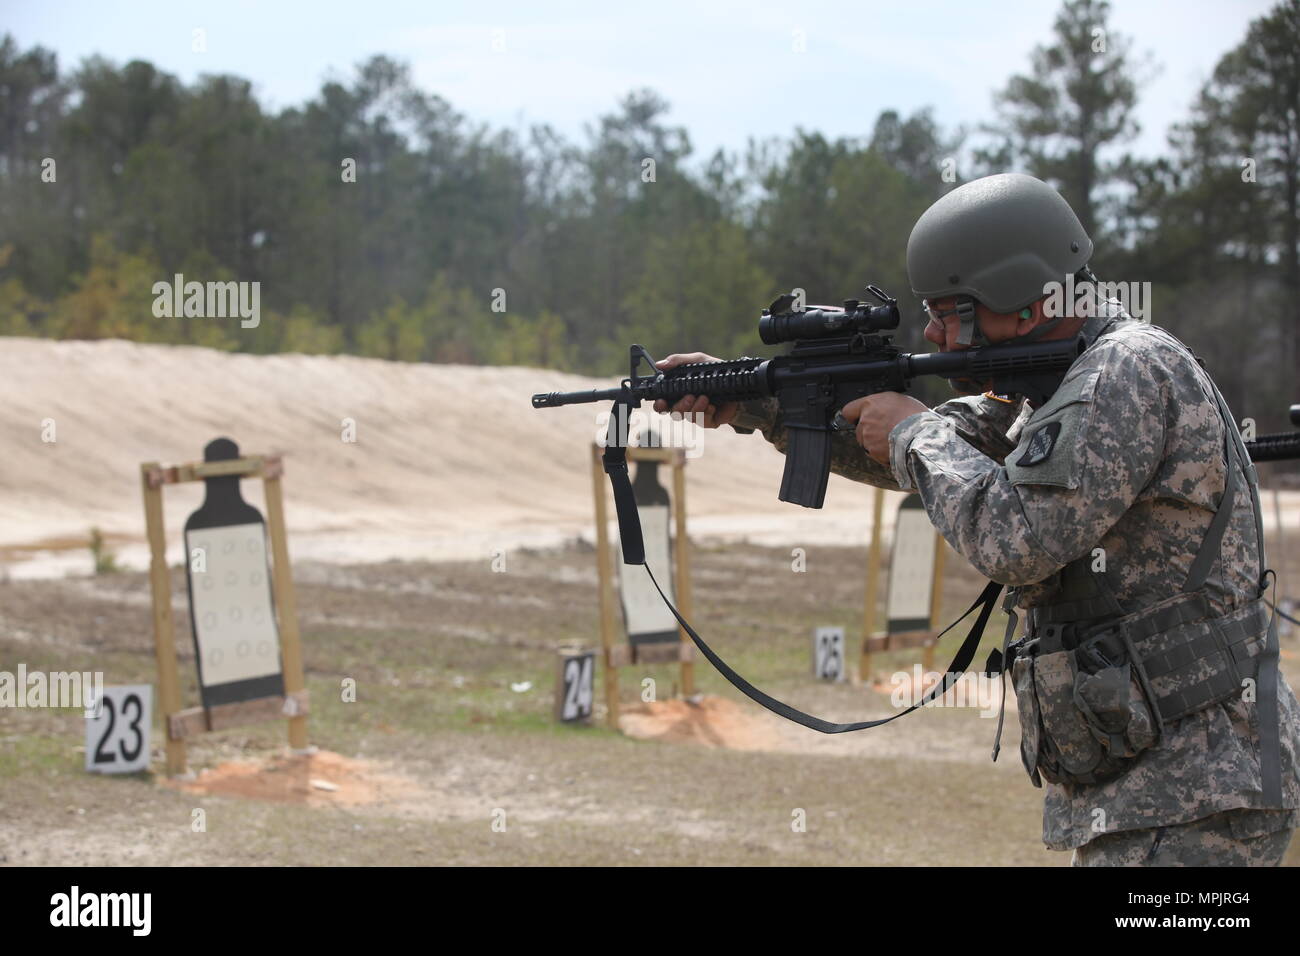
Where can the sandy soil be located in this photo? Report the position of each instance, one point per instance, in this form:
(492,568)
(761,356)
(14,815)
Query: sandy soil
(434,473)
(319,779)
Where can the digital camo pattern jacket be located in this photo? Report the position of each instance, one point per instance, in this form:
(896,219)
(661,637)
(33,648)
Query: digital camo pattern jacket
(1138,472)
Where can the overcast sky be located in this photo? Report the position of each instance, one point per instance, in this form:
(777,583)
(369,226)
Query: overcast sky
(729,70)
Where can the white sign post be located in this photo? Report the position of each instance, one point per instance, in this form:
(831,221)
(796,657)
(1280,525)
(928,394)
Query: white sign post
(828,654)
(576,686)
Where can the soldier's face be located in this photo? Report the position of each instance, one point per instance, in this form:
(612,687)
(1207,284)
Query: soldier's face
(943,331)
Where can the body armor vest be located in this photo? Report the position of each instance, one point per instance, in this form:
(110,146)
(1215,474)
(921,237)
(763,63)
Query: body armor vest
(1096,682)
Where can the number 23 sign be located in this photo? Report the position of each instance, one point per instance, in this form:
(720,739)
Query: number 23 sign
(117,730)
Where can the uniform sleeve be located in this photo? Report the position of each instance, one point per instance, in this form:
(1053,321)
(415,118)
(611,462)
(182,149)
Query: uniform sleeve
(979,420)
(983,422)
(1081,461)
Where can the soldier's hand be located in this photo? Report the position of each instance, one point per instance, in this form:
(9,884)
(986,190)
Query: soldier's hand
(714,415)
(876,416)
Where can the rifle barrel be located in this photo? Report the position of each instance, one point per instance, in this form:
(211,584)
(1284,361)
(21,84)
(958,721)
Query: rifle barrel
(1281,446)
(556,399)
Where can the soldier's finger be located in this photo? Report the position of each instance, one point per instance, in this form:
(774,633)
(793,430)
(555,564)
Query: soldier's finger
(681,358)
(853,410)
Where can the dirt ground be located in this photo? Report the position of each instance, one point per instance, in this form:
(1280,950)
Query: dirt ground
(450,753)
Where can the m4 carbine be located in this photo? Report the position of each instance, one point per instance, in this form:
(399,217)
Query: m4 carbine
(837,356)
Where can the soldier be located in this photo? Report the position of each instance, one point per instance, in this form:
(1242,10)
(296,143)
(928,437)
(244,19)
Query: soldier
(1122,513)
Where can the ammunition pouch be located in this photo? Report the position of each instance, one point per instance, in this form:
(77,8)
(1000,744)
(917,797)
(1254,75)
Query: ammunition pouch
(1092,697)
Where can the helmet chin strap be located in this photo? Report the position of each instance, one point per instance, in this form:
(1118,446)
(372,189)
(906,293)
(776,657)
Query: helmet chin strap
(969,333)
(1038,331)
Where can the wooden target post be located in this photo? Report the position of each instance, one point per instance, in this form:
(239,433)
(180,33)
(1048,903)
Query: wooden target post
(915,596)
(291,699)
(616,654)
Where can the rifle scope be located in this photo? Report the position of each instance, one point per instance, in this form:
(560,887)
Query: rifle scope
(778,324)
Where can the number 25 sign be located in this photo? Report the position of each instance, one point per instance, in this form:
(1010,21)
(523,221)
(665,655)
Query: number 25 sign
(117,730)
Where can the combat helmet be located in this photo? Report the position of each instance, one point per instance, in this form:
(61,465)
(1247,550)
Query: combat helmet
(996,240)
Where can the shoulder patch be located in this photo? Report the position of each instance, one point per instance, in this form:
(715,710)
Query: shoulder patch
(1041,445)
(1051,446)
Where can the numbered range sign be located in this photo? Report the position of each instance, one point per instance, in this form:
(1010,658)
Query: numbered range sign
(574,690)
(232,613)
(117,735)
(828,654)
(911,569)
(647,619)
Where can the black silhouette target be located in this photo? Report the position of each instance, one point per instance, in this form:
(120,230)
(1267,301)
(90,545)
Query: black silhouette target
(232,611)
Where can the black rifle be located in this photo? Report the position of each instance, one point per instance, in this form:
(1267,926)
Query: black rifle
(838,355)
(1279,446)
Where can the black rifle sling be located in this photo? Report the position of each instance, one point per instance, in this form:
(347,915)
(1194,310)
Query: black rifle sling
(614,460)
(633,545)
(965,654)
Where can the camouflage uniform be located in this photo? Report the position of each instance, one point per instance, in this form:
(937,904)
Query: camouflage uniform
(1137,469)
(1224,839)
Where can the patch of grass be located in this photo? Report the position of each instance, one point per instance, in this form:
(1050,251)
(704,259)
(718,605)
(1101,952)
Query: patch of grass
(38,754)
(105,560)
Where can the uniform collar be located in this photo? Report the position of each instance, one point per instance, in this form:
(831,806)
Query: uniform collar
(1109,316)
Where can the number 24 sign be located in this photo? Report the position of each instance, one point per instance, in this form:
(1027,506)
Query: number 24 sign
(117,732)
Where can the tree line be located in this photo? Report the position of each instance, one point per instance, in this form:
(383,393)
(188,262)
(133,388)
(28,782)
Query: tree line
(380,221)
